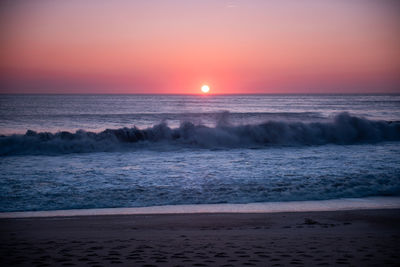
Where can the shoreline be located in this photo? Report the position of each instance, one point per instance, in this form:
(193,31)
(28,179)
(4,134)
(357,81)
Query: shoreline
(342,204)
(318,238)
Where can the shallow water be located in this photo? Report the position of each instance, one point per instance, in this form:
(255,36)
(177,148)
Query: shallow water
(198,176)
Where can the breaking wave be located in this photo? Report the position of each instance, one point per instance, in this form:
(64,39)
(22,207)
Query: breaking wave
(344,129)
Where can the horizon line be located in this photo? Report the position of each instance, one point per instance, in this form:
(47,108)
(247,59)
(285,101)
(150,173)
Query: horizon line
(206,95)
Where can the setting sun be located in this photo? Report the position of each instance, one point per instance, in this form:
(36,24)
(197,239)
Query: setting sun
(205,88)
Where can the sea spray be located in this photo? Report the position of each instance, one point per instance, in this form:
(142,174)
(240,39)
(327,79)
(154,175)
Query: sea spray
(344,129)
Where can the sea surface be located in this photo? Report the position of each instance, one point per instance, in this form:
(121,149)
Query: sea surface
(114,151)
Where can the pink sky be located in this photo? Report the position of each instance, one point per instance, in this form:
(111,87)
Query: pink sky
(309,46)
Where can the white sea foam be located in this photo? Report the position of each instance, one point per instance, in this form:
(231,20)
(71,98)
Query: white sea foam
(266,207)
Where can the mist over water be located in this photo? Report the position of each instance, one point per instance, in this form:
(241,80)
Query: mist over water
(98,151)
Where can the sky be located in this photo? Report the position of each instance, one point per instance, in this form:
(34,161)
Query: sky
(174,47)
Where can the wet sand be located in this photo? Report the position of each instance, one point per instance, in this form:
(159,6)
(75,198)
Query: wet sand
(333,238)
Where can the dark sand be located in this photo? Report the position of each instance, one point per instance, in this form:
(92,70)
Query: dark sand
(335,238)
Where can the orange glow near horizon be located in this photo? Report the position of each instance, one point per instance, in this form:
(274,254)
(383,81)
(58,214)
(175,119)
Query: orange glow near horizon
(239,46)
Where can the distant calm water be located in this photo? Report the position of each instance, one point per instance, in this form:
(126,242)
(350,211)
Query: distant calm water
(97,151)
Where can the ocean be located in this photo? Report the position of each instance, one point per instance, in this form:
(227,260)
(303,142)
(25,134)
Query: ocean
(62,152)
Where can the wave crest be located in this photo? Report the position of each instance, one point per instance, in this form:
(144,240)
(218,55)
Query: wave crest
(344,129)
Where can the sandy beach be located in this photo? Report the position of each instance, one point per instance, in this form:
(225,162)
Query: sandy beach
(333,238)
